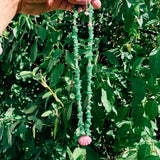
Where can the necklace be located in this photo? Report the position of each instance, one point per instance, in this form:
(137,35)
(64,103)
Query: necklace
(84,128)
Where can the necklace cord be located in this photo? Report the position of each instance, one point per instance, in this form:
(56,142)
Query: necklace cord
(84,128)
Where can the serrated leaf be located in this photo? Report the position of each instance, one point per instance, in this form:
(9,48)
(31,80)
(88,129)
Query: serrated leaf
(122,132)
(137,64)
(42,32)
(70,60)
(110,54)
(122,112)
(131,156)
(54,60)
(56,74)
(152,158)
(151,109)
(143,151)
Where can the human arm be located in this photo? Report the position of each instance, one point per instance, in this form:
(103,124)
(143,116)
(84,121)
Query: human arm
(8,9)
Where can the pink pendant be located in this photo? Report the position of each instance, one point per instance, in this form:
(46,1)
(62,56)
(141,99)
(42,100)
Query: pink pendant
(1,50)
(85,140)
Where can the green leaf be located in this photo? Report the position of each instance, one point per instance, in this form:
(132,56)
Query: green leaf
(30,108)
(46,114)
(15,31)
(122,132)
(55,127)
(122,113)
(26,74)
(69,153)
(151,109)
(69,111)
(70,60)
(139,89)
(79,152)
(158,39)
(131,156)
(137,65)
(92,155)
(105,101)
(9,112)
(1,131)
(9,136)
(152,158)
(46,95)
(143,151)
(55,59)
(137,114)
(29,22)
(34,51)
(56,74)
(42,32)
(110,54)
(22,131)
(60,14)
(154,59)
(38,124)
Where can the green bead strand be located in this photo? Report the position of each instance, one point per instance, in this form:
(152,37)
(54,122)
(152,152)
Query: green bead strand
(89,72)
(77,75)
(84,128)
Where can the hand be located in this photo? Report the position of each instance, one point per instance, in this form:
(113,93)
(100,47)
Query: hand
(35,7)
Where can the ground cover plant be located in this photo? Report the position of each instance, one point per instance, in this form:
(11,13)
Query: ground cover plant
(38,111)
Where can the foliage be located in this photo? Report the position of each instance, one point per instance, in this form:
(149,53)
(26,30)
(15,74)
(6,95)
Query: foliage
(38,114)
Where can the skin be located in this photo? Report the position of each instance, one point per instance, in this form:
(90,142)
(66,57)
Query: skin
(9,8)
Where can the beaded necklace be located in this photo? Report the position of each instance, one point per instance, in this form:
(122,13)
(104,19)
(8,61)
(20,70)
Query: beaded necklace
(84,128)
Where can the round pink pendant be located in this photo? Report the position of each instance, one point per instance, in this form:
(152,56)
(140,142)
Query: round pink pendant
(85,140)
(1,50)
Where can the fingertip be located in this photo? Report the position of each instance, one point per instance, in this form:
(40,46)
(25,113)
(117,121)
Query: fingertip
(96,4)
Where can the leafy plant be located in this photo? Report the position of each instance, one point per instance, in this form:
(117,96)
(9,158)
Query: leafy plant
(38,114)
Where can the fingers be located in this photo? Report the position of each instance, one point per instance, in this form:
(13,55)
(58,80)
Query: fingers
(81,2)
(95,3)
(34,8)
(35,1)
(63,5)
